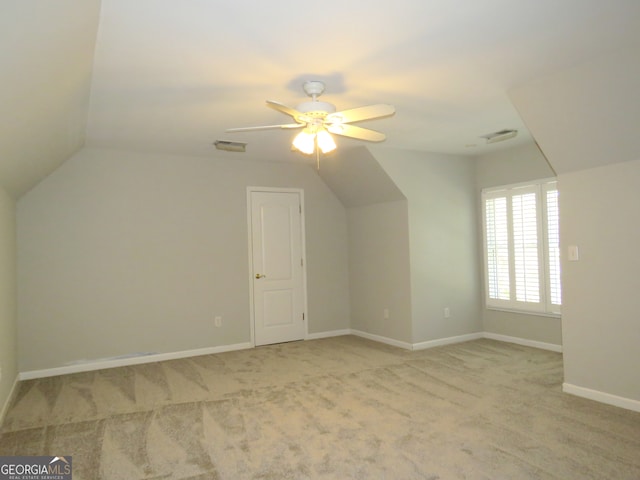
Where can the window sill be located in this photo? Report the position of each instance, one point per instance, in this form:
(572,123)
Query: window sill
(525,312)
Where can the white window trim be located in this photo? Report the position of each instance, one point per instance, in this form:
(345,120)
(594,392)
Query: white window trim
(551,308)
(544,307)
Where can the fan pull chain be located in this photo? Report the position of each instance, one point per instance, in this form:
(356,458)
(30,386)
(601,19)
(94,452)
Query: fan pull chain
(317,154)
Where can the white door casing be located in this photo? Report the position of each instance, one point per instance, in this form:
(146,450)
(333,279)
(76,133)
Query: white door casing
(277,265)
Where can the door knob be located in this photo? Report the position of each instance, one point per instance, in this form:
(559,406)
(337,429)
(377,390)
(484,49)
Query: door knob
(259,275)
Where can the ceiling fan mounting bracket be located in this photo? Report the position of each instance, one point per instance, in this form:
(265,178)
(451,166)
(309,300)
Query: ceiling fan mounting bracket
(313,88)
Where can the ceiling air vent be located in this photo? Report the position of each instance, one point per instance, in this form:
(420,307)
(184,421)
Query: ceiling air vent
(500,136)
(230,146)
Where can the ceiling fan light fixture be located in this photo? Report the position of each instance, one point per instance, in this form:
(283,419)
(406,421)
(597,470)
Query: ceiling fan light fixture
(325,141)
(305,141)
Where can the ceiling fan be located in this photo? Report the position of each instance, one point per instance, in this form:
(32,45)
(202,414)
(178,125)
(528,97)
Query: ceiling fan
(319,119)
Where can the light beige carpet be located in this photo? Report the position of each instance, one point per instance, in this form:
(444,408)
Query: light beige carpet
(336,408)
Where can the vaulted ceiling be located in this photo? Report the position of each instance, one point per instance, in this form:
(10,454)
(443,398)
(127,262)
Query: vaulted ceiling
(172,76)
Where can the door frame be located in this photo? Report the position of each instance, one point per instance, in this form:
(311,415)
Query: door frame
(300,193)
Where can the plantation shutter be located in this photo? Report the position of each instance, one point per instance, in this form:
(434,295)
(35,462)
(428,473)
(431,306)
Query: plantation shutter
(553,246)
(525,247)
(497,248)
(522,247)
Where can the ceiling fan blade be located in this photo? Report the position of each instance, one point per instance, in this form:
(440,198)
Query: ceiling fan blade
(361,113)
(356,132)
(284,109)
(265,127)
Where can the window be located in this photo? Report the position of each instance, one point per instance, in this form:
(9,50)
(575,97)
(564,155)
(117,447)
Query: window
(522,247)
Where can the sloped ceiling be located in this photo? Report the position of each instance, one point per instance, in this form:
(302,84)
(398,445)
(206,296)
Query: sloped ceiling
(46,57)
(358,179)
(173,76)
(586,115)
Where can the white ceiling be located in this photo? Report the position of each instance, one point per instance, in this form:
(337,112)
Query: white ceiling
(171,76)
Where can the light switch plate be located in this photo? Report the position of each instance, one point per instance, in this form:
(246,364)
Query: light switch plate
(573,253)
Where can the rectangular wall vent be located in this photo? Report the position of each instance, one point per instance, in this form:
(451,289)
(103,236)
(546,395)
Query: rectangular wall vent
(500,136)
(230,146)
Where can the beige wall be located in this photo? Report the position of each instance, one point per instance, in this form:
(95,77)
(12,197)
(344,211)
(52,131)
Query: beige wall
(378,225)
(585,119)
(379,269)
(121,253)
(8,338)
(444,262)
(601,304)
(515,165)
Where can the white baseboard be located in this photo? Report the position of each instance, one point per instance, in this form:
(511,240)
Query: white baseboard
(381,339)
(457,339)
(158,357)
(447,341)
(523,341)
(7,403)
(622,402)
(331,333)
(123,362)
(602,397)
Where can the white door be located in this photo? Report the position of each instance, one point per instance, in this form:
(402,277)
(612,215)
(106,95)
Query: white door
(277,266)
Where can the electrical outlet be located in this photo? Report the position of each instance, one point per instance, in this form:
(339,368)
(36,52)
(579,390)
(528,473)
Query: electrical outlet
(217,321)
(447,312)
(385,314)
